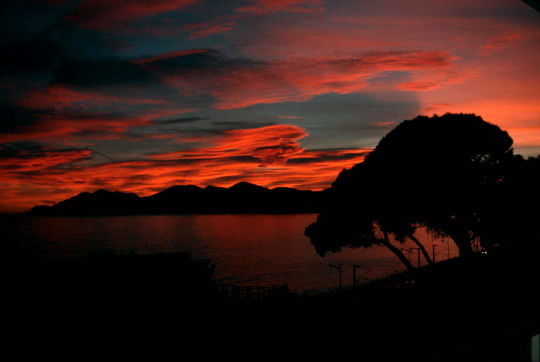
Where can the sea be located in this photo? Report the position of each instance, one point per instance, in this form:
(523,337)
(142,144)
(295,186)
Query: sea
(245,250)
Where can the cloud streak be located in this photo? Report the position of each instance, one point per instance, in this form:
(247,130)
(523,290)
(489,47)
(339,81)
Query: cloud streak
(270,156)
(266,145)
(205,29)
(501,42)
(238,83)
(263,7)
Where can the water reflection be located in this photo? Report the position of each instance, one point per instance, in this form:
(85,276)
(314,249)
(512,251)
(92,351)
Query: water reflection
(254,250)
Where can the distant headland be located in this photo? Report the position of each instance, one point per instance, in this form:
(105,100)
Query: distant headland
(242,197)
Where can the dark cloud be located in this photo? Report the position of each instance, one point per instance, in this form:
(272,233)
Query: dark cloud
(97,73)
(203,61)
(31,158)
(21,20)
(34,37)
(34,55)
(244,159)
(106,15)
(331,154)
(240,124)
(13,117)
(180,120)
(14,149)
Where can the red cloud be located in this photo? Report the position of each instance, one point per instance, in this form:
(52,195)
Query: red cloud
(270,144)
(257,7)
(418,86)
(270,156)
(59,97)
(63,113)
(436,79)
(313,170)
(302,79)
(108,15)
(72,126)
(500,42)
(35,160)
(18,172)
(260,7)
(202,30)
(384,124)
(237,83)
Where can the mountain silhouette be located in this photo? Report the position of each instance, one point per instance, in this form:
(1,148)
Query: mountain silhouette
(247,187)
(242,197)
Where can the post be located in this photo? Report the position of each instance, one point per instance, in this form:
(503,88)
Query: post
(354,267)
(433,252)
(408,251)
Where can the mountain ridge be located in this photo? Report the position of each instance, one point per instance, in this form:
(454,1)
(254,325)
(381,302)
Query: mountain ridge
(242,197)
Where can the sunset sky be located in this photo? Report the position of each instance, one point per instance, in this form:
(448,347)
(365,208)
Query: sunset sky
(142,95)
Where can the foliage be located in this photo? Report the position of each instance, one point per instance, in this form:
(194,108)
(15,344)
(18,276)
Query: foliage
(435,172)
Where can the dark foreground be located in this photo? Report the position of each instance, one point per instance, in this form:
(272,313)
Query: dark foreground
(482,309)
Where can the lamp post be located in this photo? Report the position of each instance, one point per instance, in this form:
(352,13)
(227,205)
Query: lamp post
(409,251)
(417,256)
(354,267)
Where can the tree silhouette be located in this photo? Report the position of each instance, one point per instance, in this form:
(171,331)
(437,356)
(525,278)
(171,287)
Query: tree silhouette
(343,228)
(433,172)
(510,214)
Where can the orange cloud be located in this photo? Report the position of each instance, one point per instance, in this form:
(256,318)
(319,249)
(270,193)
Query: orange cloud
(418,86)
(35,160)
(437,78)
(270,144)
(384,124)
(270,156)
(20,168)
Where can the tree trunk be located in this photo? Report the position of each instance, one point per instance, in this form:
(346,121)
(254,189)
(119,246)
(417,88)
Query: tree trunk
(399,253)
(422,248)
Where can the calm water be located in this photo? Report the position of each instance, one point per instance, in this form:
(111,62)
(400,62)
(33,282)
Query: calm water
(254,250)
